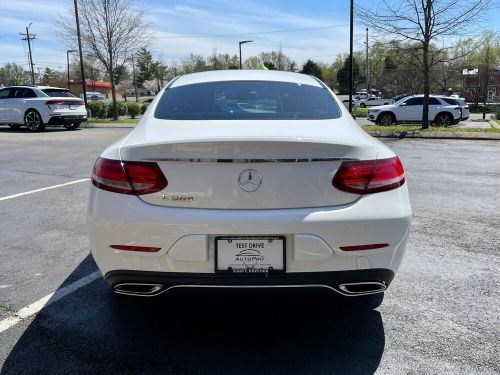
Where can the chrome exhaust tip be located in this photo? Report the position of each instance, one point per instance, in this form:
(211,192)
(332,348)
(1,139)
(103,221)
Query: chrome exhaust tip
(139,289)
(362,288)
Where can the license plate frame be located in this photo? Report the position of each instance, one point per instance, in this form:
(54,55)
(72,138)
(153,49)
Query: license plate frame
(250,270)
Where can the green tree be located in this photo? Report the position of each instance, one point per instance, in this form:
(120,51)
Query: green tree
(313,69)
(269,65)
(146,66)
(343,76)
(48,75)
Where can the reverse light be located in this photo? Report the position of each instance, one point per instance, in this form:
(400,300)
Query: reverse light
(128,177)
(369,176)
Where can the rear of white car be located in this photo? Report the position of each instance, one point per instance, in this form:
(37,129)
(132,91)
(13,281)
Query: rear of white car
(248,179)
(38,106)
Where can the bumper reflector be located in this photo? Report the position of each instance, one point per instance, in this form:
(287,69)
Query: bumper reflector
(144,249)
(364,247)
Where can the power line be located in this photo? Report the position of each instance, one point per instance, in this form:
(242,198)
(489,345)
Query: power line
(248,33)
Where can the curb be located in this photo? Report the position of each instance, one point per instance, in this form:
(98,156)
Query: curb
(436,135)
(494,124)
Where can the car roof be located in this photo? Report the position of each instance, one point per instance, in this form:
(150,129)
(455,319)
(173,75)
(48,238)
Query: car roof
(34,87)
(52,88)
(245,75)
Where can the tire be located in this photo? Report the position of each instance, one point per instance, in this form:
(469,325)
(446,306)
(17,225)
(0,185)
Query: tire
(444,119)
(386,119)
(33,121)
(15,126)
(362,105)
(72,126)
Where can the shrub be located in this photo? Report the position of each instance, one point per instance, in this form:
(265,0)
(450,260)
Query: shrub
(133,109)
(122,109)
(144,106)
(97,108)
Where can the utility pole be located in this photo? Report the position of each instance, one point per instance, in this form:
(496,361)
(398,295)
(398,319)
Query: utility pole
(135,81)
(29,37)
(351,75)
(84,84)
(367,66)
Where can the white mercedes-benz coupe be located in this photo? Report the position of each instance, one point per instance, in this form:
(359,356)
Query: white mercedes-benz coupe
(249,179)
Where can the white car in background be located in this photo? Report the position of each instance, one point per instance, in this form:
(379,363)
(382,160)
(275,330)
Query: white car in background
(409,109)
(372,101)
(248,179)
(38,106)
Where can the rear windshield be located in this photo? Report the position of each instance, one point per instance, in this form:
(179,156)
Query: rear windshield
(247,100)
(58,93)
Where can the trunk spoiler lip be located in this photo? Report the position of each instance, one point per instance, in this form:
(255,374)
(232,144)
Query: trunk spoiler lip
(244,160)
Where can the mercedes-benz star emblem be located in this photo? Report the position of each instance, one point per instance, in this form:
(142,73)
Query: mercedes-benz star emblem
(250,180)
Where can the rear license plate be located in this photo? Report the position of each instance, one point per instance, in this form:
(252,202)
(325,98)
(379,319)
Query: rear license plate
(250,254)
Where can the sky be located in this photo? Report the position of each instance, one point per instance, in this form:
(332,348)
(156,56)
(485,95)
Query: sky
(316,29)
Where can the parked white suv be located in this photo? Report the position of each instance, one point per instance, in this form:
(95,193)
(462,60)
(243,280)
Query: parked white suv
(38,106)
(409,109)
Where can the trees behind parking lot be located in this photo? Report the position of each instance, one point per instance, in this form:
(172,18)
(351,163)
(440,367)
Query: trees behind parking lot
(13,74)
(415,25)
(111,31)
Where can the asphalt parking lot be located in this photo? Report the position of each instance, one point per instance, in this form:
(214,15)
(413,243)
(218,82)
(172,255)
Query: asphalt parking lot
(441,314)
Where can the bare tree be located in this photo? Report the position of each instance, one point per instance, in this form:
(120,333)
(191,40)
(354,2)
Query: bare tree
(419,25)
(111,30)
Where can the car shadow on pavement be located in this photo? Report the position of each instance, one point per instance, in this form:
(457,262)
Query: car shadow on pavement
(95,331)
(55,129)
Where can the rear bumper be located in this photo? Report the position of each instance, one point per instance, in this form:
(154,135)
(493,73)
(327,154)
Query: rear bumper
(66,119)
(329,280)
(186,235)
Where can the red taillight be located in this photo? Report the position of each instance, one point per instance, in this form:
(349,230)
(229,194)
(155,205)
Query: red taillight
(55,102)
(128,177)
(144,249)
(364,247)
(369,176)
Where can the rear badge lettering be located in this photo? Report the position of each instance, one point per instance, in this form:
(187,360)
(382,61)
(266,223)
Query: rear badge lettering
(182,198)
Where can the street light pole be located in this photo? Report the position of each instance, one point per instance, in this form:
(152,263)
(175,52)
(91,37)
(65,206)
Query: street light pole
(367,66)
(351,75)
(240,43)
(84,84)
(67,60)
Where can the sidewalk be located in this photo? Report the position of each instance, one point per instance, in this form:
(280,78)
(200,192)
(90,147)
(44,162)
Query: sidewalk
(435,135)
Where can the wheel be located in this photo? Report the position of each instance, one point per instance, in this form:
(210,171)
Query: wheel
(33,121)
(15,126)
(386,119)
(444,119)
(362,105)
(72,126)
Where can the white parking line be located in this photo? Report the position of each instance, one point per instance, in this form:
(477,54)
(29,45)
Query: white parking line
(35,307)
(43,189)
